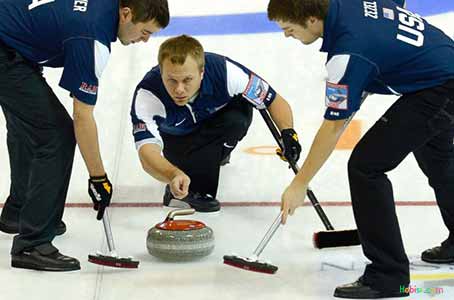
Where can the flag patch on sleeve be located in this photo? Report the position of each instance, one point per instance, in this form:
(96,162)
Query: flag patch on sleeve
(388,13)
(256,90)
(336,96)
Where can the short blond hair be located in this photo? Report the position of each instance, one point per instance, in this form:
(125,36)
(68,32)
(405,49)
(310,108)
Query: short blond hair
(178,48)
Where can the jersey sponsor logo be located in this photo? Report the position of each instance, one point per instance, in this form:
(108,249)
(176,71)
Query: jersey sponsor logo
(336,96)
(80,5)
(139,127)
(179,123)
(256,90)
(219,107)
(334,113)
(88,88)
(370,9)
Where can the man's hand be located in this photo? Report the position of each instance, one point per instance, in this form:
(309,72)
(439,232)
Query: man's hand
(179,185)
(100,191)
(292,147)
(292,198)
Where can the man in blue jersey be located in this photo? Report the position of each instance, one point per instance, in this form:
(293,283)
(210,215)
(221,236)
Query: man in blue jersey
(41,138)
(377,46)
(194,107)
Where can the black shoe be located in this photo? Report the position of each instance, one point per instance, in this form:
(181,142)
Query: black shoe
(12,227)
(44,261)
(201,203)
(359,290)
(225,161)
(443,254)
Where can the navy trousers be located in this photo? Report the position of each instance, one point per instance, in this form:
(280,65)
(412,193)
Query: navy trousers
(200,153)
(41,145)
(421,123)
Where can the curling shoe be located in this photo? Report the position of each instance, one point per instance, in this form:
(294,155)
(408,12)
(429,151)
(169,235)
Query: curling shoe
(201,203)
(443,254)
(44,258)
(225,161)
(359,290)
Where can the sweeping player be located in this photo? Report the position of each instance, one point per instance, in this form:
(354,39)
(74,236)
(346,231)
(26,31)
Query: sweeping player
(379,47)
(195,107)
(75,35)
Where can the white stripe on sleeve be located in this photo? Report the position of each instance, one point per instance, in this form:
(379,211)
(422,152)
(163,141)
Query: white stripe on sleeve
(237,79)
(336,67)
(102,54)
(147,106)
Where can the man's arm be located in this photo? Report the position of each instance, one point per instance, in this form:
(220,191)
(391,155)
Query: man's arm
(160,168)
(155,164)
(87,137)
(323,145)
(281,113)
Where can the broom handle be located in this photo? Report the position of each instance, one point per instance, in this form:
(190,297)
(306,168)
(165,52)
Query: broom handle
(310,194)
(269,234)
(108,231)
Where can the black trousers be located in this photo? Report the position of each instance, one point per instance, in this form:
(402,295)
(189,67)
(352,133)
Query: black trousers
(41,145)
(421,123)
(199,153)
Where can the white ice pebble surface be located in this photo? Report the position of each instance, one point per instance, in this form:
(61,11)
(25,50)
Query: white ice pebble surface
(304,272)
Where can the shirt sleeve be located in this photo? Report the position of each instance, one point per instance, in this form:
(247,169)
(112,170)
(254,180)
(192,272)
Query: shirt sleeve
(85,60)
(348,76)
(146,110)
(242,81)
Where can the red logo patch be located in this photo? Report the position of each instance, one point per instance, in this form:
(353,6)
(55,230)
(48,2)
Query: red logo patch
(88,88)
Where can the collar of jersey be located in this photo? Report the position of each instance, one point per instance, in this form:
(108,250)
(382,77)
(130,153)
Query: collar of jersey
(329,25)
(206,88)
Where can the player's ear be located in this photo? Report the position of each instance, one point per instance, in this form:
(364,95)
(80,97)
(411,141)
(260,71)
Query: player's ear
(202,73)
(125,15)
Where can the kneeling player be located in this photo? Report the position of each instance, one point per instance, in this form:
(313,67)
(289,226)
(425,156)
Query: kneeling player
(194,107)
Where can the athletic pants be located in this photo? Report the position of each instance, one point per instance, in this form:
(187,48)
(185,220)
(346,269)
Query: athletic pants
(199,153)
(421,123)
(41,144)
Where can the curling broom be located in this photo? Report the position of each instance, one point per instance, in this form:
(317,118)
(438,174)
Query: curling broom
(253,263)
(111,259)
(322,239)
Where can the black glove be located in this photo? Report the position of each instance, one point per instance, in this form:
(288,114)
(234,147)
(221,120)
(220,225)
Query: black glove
(292,147)
(100,191)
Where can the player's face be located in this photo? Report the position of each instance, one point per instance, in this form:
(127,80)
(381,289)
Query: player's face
(181,81)
(306,34)
(128,32)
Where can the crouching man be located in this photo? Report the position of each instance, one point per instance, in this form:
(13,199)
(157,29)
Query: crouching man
(193,108)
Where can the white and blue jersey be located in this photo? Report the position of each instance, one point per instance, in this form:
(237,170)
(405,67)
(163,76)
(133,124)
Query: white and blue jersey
(377,46)
(153,110)
(74,34)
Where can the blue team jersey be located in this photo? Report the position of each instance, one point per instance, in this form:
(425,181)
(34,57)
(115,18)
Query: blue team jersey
(74,34)
(153,110)
(380,47)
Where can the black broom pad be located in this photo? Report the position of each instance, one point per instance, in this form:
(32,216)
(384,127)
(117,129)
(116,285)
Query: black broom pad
(336,238)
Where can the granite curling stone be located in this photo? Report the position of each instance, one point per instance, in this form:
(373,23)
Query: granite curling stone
(180,240)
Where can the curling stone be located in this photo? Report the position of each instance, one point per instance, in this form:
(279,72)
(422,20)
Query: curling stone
(180,240)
